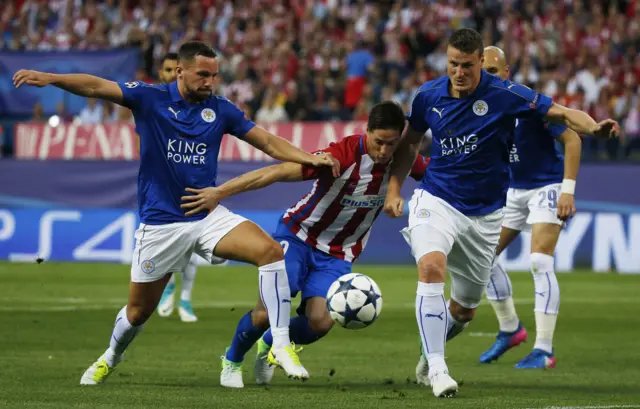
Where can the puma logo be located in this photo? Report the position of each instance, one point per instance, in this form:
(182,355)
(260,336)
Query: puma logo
(174,112)
(434,109)
(438,316)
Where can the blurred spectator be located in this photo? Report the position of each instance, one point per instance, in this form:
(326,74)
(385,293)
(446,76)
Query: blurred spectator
(38,113)
(270,111)
(311,53)
(358,64)
(91,113)
(62,113)
(631,138)
(335,111)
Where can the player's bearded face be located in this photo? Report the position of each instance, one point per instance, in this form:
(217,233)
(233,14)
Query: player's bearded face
(198,77)
(382,144)
(463,69)
(168,71)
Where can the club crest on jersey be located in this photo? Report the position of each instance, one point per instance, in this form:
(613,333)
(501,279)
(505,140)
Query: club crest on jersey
(208,115)
(148,266)
(480,108)
(423,214)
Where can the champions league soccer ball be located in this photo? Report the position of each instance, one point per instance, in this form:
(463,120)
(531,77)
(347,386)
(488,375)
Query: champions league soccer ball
(354,301)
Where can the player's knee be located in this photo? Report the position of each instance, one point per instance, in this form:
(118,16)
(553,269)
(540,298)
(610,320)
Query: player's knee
(271,252)
(460,313)
(137,315)
(260,318)
(541,263)
(431,271)
(321,324)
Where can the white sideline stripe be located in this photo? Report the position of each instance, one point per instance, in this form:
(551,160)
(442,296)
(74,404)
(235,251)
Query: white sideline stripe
(482,334)
(589,407)
(86,304)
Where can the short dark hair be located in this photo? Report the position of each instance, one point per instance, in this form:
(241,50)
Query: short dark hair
(191,49)
(170,56)
(467,40)
(387,115)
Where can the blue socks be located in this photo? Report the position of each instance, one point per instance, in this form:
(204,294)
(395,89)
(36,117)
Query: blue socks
(246,335)
(299,331)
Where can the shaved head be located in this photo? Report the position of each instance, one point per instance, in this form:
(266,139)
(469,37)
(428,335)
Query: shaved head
(495,62)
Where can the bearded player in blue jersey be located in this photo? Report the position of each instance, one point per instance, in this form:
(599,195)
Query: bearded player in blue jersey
(181,126)
(540,199)
(456,215)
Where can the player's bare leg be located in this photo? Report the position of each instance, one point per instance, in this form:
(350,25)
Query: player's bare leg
(544,238)
(432,316)
(249,243)
(143,300)
(499,294)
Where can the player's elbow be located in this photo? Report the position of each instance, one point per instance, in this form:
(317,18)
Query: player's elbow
(571,141)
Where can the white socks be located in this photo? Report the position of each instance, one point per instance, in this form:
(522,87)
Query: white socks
(499,296)
(547,299)
(123,334)
(188,278)
(432,316)
(276,297)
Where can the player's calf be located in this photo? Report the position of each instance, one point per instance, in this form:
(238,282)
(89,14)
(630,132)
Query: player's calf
(143,300)
(547,300)
(511,333)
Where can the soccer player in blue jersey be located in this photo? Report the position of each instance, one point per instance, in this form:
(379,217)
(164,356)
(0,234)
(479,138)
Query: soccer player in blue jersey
(456,215)
(167,74)
(540,199)
(181,126)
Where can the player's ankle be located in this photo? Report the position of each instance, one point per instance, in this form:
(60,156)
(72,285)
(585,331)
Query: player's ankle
(280,337)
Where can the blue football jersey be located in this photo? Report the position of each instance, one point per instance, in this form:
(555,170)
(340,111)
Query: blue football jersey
(179,145)
(535,161)
(472,136)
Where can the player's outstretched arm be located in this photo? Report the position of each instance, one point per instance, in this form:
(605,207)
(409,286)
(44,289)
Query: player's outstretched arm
(208,198)
(572,151)
(80,84)
(281,149)
(403,161)
(582,123)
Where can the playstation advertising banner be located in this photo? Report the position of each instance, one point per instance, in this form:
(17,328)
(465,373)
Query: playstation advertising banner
(86,211)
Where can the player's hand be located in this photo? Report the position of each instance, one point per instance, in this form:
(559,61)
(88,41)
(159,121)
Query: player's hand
(393,205)
(566,207)
(327,159)
(201,200)
(607,129)
(30,77)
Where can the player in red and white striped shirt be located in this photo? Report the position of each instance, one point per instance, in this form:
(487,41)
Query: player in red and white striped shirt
(322,235)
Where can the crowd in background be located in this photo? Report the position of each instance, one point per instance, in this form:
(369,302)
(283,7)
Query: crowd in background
(332,60)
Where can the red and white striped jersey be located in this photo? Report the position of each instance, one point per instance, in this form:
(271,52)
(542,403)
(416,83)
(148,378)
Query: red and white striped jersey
(337,214)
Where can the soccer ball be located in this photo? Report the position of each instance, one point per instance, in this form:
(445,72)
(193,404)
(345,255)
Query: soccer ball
(354,301)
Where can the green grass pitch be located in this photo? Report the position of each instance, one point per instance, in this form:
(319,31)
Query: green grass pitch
(56,319)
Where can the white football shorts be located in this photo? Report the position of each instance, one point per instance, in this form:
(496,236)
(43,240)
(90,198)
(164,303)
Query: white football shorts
(468,241)
(526,207)
(167,248)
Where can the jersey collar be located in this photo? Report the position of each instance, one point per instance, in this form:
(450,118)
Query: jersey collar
(363,144)
(175,94)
